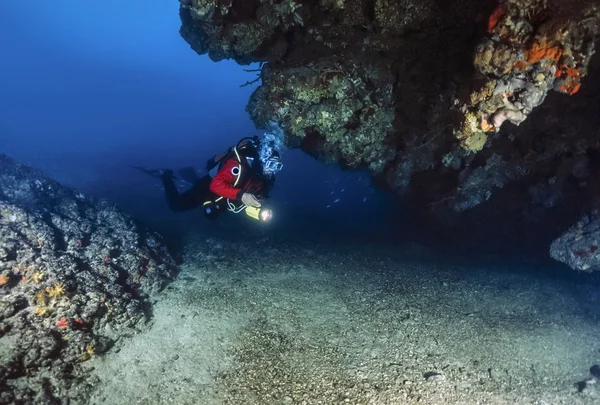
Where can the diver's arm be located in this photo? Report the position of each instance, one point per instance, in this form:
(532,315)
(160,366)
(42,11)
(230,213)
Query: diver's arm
(222,183)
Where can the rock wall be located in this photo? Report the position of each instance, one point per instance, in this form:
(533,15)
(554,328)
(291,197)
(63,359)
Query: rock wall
(76,275)
(452,104)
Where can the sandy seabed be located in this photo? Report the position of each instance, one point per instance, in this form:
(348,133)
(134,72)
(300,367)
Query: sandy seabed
(277,323)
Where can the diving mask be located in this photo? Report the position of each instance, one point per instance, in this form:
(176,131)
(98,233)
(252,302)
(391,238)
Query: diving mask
(273,165)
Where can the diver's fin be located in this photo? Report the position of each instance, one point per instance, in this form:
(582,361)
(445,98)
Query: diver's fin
(188,174)
(157,173)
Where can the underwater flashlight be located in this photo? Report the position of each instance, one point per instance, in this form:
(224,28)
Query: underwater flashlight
(259,213)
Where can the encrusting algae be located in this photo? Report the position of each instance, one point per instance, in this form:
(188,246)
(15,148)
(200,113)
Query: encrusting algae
(523,61)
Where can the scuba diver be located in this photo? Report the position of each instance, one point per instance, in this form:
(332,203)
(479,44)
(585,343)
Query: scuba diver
(237,180)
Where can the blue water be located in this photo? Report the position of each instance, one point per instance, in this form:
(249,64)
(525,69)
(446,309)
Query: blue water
(92,87)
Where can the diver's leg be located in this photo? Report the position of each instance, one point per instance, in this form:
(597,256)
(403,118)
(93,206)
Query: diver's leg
(171,192)
(190,199)
(197,195)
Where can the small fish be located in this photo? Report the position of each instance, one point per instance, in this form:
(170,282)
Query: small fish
(336,200)
(329,206)
(365,199)
(333,192)
(343,190)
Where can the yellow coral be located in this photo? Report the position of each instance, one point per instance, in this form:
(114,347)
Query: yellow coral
(41,298)
(40,311)
(37,276)
(57,290)
(90,349)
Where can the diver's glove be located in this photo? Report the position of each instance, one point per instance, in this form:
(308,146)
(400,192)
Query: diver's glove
(249,200)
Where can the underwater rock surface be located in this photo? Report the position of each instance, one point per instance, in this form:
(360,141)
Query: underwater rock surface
(76,275)
(453,104)
(578,247)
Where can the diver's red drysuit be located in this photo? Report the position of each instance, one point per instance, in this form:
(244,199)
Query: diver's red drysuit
(227,185)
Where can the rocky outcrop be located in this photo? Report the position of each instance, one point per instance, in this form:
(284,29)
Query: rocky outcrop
(76,274)
(578,246)
(453,104)
(531,48)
